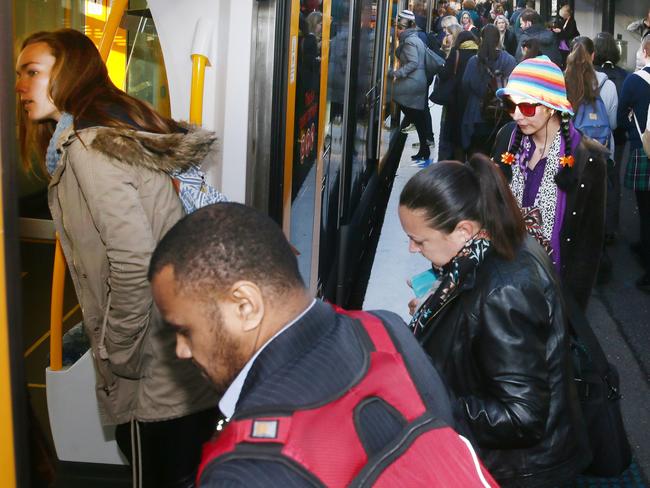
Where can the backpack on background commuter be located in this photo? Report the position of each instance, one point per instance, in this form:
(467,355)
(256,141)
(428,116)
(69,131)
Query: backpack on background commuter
(597,383)
(593,121)
(492,107)
(644,135)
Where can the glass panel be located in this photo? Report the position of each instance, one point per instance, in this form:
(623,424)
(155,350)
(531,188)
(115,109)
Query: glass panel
(305,153)
(365,99)
(333,150)
(146,77)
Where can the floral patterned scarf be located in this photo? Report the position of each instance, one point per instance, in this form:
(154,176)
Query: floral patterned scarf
(452,276)
(546,199)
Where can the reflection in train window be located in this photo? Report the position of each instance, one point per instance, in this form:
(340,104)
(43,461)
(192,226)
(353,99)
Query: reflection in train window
(146,76)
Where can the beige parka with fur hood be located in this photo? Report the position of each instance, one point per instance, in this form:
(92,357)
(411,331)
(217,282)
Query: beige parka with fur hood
(112,202)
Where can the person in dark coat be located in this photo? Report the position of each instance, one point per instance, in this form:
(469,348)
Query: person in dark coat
(227,281)
(494,324)
(606,60)
(555,171)
(508,40)
(532,27)
(634,102)
(487,70)
(565,31)
(464,48)
(522,5)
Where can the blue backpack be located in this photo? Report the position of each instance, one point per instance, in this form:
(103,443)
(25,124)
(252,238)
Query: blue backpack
(592,120)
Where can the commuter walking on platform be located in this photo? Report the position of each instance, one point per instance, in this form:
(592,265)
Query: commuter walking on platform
(112,200)
(554,172)
(606,60)
(467,23)
(507,38)
(486,72)
(312,395)
(633,114)
(493,324)
(464,48)
(566,30)
(410,80)
(532,27)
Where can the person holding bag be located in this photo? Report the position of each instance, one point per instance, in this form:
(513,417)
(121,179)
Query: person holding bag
(111,159)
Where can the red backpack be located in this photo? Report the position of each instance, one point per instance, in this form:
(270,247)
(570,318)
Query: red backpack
(323,441)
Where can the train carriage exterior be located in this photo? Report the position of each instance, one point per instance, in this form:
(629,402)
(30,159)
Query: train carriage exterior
(298,95)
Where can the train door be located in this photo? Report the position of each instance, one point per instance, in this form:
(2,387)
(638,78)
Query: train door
(13,427)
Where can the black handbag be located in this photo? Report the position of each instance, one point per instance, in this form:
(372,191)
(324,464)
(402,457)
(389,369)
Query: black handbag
(597,383)
(443,90)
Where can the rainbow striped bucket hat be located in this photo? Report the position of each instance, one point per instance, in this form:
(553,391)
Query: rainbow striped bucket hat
(541,80)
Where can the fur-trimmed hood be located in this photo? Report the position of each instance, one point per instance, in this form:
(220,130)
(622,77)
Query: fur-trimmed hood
(164,152)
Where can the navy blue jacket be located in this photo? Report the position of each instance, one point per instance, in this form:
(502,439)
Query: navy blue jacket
(636,96)
(311,362)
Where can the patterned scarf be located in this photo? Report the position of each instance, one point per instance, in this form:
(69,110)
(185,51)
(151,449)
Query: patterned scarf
(546,199)
(191,187)
(452,276)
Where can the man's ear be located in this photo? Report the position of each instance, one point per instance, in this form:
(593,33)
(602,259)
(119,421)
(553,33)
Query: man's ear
(247,299)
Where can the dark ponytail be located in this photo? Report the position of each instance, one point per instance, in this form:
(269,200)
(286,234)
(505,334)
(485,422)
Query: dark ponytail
(447,192)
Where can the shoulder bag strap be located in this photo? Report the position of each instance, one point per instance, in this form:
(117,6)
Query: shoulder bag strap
(645,76)
(580,326)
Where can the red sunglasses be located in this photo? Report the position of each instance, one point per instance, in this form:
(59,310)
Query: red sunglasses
(526,109)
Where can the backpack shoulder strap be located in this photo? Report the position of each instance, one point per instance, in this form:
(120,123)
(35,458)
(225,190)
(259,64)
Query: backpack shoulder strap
(643,74)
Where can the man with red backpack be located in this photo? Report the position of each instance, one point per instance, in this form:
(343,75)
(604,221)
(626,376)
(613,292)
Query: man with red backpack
(312,395)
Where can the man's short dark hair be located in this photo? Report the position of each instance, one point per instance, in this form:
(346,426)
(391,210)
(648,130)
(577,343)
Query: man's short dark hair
(530,15)
(218,245)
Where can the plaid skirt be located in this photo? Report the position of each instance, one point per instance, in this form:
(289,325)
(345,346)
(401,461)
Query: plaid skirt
(637,172)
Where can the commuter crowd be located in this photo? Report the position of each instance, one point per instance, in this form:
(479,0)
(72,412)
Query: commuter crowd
(197,314)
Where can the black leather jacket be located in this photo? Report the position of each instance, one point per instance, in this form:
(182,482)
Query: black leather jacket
(503,349)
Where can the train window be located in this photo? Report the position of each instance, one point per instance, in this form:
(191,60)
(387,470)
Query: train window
(146,76)
(304,187)
(32,16)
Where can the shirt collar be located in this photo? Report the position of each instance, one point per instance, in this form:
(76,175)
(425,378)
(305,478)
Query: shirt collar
(229,400)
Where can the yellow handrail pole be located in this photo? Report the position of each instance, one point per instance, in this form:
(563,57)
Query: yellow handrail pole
(110,28)
(56,308)
(199,63)
(7,452)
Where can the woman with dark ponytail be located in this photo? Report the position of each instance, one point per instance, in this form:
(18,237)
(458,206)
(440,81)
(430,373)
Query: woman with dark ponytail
(493,323)
(555,173)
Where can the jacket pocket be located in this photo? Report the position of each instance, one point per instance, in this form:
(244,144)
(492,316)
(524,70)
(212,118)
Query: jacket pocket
(124,354)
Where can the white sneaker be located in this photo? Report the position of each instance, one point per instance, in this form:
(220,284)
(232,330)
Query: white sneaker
(408,128)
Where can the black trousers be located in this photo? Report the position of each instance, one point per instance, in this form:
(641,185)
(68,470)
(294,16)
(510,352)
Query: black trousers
(643,202)
(170,450)
(418,118)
